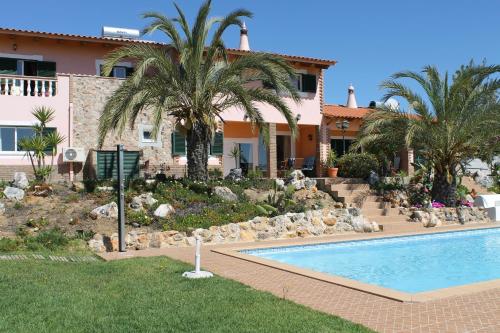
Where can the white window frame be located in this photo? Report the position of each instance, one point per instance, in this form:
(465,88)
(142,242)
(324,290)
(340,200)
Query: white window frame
(143,142)
(303,93)
(14,125)
(100,62)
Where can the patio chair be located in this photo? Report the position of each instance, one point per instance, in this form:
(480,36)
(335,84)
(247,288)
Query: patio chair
(308,166)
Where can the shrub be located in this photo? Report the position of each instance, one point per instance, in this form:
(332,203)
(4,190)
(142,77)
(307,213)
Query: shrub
(37,223)
(357,165)
(139,217)
(8,245)
(52,239)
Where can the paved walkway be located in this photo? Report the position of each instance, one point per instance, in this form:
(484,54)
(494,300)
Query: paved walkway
(476,312)
(31,256)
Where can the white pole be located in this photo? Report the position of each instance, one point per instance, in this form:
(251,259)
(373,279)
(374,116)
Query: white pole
(197,255)
(197,273)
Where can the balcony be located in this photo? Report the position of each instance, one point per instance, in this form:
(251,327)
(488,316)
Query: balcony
(30,86)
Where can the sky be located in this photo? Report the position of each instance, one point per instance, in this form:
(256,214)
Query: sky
(370,39)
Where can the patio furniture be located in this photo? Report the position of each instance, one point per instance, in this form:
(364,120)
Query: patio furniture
(491,203)
(308,166)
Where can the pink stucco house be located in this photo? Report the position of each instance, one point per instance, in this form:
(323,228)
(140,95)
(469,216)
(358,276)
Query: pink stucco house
(62,71)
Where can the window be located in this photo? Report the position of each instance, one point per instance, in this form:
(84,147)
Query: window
(11,136)
(121,71)
(24,67)
(146,138)
(179,144)
(338,146)
(305,82)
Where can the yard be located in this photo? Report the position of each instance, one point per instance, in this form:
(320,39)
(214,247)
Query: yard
(143,295)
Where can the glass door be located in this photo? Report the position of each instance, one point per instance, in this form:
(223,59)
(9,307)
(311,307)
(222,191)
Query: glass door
(246,157)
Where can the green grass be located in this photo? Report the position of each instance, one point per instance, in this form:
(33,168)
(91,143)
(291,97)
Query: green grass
(143,295)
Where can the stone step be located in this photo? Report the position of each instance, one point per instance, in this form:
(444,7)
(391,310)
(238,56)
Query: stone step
(387,219)
(401,227)
(340,180)
(380,212)
(350,187)
(358,198)
(371,205)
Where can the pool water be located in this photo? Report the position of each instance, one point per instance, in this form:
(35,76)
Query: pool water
(410,264)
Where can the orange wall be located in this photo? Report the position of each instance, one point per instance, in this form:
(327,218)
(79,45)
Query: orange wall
(233,129)
(71,56)
(354,125)
(305,147)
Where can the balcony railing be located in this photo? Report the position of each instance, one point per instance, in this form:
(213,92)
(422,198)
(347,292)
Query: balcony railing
(33,86)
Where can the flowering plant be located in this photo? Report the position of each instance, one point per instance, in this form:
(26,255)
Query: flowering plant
(436,204)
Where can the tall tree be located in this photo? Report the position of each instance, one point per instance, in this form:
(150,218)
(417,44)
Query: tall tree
(194,83)
(452,123)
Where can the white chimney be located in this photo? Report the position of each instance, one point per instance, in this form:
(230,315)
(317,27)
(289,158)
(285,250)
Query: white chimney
(244,45)
(351,98)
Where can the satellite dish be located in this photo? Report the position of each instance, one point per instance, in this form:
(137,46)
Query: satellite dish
(392,103)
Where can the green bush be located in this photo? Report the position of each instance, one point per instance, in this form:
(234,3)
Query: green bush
(357,165)
(8,245)
(139,217)
(52,239)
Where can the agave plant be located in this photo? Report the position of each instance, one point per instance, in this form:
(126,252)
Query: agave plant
(453,122)
(193,81)
(42,143)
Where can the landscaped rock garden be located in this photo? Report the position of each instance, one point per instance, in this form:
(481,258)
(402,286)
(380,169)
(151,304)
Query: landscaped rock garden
(290,225)
(436,217)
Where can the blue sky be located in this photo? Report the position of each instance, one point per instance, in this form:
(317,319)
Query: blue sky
(369,39)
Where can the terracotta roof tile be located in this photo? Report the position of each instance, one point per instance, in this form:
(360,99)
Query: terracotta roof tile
(340,111)
(122,41)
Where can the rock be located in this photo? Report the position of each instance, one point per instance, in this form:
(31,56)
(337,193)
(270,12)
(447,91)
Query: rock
(225,193)
(136,204)
(78,186)
(432,221)
(373,178)
(255,195)
(298,184)
(343,227)
(358,223)
(13,193)
(106,211)
(235,174)
(303,232)
(296,175)
(104,188)
(354,211)
(309,183)
(375,227)
(20,180)
(96,244)
(2,208)
(247,236)
(367,226)
(280,184)
(330,221)
(338,205)
(164,210)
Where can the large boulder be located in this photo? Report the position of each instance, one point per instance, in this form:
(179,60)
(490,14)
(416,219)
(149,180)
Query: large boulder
(145,199)
(225,193)
(2,208)
(106,211)
(309,183)
(280,184)
(235,174)
(13,193)
(20,180)
(164,210)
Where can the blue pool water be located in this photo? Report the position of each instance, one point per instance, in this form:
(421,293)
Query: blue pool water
(410,264)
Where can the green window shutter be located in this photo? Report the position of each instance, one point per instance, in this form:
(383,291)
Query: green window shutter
(107,167)
(46,69)
(8,66)
(309,83)
(178,144)
(217,146)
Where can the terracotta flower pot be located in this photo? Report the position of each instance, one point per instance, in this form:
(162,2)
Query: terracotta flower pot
(332,172)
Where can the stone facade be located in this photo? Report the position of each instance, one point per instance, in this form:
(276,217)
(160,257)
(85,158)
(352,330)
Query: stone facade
(89,95)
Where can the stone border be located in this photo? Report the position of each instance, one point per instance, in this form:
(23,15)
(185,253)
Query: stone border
(357,285)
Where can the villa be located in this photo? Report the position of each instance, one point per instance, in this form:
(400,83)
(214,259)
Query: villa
(63,71)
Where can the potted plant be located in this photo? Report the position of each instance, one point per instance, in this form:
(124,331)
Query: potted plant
(331,161)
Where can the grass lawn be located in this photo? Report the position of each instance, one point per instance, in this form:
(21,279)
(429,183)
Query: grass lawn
(143,295)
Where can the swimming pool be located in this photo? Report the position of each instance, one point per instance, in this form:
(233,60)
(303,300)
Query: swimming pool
(410,264)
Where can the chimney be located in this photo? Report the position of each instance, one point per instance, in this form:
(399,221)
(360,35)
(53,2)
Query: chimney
(244,45)
(351,98)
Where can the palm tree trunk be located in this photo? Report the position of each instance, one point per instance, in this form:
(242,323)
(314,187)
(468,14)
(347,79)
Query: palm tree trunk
(198,141)
(444,191)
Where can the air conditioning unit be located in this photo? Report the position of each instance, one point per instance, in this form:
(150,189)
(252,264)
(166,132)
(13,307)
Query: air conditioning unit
(71,154)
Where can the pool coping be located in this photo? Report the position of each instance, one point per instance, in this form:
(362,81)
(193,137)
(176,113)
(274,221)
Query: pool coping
(392,294)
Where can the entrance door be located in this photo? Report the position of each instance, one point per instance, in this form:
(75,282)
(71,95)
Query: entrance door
(283,148)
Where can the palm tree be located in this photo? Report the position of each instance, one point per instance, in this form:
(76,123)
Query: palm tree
(450,125)
(193,84)
(44,142)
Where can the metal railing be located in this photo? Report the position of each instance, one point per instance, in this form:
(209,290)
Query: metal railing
(33,86)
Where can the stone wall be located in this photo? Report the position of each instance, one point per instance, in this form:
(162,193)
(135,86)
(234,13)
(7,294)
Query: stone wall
(435,217)
(291,225)
(89,95)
